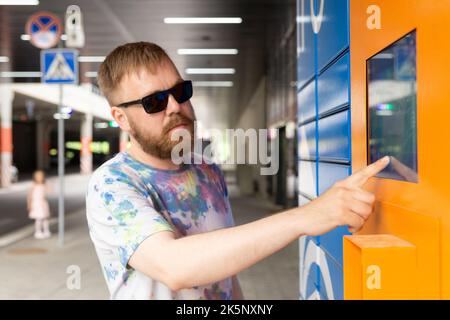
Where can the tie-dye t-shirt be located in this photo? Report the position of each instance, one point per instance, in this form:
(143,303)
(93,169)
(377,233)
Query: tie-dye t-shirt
(127,201)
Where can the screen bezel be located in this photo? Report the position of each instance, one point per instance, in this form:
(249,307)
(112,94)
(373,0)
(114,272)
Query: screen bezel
(368,113)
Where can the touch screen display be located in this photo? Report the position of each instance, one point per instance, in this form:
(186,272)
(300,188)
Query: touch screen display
(392,109)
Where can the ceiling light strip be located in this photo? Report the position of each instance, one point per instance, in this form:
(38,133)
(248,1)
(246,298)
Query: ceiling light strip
(207,51)
(210,71)
(202,20)
(212,83)
(19,2)
(91,58)
(20,74)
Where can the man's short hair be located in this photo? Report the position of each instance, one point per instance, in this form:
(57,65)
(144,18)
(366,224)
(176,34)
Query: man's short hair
(126,59)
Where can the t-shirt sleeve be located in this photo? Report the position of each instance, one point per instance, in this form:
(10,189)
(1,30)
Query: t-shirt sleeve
(120,213)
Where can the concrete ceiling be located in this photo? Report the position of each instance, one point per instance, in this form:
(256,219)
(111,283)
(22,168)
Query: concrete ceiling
(109,23)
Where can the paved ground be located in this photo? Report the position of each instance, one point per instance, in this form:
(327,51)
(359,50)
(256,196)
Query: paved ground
(13,210)
(275,277)
(38,269)
(32,269)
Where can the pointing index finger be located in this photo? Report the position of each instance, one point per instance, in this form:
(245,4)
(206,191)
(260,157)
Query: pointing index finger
(361,177)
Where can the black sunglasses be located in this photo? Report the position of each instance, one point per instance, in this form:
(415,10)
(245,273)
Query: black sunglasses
(157,102)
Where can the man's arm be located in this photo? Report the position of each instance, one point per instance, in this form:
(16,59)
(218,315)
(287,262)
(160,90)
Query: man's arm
(209,257)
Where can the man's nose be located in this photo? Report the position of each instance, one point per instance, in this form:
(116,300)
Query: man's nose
(172,106)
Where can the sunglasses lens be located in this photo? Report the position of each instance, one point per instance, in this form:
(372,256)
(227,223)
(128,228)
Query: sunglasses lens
(182,92)
(156,102)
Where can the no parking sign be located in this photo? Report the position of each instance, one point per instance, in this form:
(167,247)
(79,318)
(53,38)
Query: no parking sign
(44,29)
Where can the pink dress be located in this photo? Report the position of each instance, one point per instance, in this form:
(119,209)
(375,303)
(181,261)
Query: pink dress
(39,205)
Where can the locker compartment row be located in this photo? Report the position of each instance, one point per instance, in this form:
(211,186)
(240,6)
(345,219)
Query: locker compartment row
(329,173)
(332,91)
(306,103)
(307,179)
(333,85)
(334,144)
(332,36)
(306,135)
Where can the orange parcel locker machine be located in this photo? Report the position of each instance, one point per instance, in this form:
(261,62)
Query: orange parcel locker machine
(400,80)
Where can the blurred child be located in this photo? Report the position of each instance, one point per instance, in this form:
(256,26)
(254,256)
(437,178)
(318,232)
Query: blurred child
(38,208)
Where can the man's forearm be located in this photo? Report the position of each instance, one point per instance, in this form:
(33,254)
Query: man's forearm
(209,257)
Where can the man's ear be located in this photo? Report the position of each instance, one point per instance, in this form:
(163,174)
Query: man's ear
(120,118)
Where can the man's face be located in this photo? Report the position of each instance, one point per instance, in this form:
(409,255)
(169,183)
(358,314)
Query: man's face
(153,131)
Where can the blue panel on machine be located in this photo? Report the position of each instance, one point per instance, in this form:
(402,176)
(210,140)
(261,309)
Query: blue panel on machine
(332,243)
(305,44)
(333,85)
(309,266)
(323,69)
(307,141)
(311,287)
(306,103)
(334,289)
(308,178)
(334,34)
(333,137)
(302,200)
(330,173)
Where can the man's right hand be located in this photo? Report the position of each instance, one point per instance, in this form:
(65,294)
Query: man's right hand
(346,203)
(203,258)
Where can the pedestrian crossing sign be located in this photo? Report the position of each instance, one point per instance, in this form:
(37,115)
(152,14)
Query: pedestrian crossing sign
(59,66)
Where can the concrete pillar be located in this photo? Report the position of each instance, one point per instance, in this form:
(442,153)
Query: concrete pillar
(40,151)
(6,139)
(5,41)
(46,145)
(43,130)
(124,138)
(86,139)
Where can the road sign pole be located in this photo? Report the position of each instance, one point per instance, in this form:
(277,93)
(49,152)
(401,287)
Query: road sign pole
(61,163)
(58,66)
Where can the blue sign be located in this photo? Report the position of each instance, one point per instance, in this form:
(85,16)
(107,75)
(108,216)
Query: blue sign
(59,66)
(44,29)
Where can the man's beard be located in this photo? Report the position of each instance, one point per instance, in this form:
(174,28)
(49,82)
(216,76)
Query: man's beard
(161,146)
